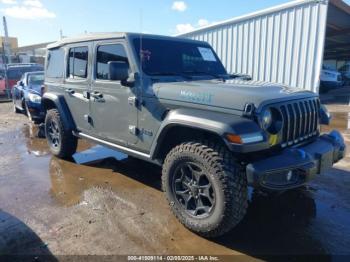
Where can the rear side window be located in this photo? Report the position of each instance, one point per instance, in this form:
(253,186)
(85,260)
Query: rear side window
(55,63)
(106,54)
(77,63)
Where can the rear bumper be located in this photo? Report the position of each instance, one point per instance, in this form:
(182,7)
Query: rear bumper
(295,166)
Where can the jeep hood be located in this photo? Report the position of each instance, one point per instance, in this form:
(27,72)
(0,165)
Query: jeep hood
(229,95)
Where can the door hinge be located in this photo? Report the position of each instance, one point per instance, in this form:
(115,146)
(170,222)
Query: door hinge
(88,119)
(133,101)
(134,130)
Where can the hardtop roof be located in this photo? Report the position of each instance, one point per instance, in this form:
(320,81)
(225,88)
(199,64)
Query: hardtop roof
(113,35)
(34,73)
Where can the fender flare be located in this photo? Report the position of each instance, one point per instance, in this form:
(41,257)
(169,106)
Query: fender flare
(214,122)
(60,104)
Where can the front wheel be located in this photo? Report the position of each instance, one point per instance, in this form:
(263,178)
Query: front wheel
(206,189)
(61,141)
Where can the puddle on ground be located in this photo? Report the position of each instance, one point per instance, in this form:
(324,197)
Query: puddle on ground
(340,121)
(69,180)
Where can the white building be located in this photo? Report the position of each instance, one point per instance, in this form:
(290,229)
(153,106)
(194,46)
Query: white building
(285,44)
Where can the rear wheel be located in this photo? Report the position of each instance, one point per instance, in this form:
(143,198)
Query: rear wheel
(61,141)
(206,189)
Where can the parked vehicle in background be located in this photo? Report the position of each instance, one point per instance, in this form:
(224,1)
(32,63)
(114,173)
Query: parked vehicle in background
(171,102)
(330,79)
(26,96)
(2,84)
(14,72)
(345,72)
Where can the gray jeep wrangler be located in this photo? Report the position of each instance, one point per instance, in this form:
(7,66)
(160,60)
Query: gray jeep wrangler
(171,102)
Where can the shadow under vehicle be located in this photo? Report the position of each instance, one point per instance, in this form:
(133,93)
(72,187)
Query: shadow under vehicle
(18,242)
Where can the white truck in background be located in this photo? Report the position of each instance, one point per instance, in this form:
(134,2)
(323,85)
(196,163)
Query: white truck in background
(330,79)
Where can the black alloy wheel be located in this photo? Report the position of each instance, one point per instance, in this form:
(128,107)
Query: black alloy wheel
(193,190)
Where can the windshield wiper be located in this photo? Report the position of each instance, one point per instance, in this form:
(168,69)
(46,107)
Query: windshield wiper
(205,73)
(171,74)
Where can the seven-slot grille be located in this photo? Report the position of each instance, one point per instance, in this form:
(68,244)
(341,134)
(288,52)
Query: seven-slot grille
(301,120)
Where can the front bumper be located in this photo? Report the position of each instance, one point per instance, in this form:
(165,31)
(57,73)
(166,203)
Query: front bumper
(295,166)
(36,110)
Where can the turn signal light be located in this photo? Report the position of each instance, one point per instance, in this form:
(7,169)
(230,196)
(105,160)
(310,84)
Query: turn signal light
(245,138)
(232,138)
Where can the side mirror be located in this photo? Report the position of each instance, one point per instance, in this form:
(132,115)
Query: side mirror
(118,71)
(20,83)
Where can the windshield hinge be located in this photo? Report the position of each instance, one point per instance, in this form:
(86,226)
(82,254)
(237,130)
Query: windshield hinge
(133,101)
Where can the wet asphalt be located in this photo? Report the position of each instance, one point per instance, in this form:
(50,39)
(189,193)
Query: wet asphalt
(107,206)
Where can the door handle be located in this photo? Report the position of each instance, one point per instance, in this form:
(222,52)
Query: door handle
(97,95)
(70,91)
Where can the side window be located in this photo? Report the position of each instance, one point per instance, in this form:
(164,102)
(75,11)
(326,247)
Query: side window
(106,54)
(77,63)
(55,63)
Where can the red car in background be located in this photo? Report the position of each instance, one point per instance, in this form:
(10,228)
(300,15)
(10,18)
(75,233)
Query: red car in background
(14,73)
(2,83)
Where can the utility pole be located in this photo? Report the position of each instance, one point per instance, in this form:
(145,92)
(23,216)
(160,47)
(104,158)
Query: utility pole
(7,54)
(7,47)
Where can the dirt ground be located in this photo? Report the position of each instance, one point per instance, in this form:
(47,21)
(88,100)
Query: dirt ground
(55,207)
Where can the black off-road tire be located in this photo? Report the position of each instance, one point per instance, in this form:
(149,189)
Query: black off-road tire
(228,182)
(66,143)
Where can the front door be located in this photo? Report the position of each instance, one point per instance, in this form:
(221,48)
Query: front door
(77,84)
(113,115)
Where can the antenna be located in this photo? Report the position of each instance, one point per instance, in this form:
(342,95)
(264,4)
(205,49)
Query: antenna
(7,53)
(141,50)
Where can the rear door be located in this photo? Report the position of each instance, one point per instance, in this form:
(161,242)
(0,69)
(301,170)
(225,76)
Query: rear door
(114,116)
(77,84)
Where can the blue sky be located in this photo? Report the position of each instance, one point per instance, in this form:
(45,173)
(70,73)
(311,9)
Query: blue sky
(37,21)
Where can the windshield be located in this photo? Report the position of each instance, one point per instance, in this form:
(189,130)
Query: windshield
(37,79)
(171,57)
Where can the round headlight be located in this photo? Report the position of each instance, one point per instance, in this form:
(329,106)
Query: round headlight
(34,98)
(266,119)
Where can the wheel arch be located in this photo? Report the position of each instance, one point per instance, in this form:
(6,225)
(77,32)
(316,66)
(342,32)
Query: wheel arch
(57,101)
(175,133)
(182,125)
